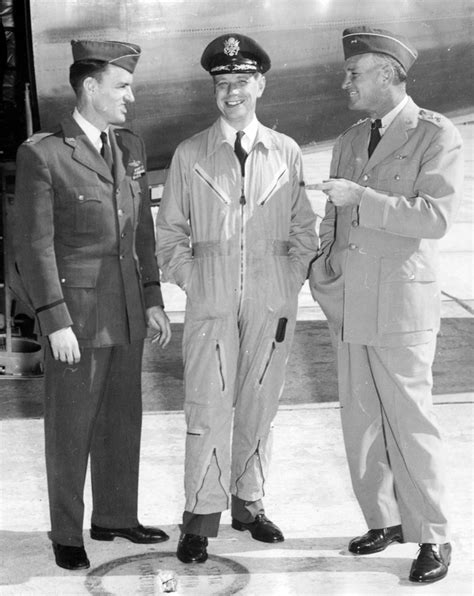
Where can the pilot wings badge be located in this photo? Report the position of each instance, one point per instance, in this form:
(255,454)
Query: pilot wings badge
(137,169)
(231,46)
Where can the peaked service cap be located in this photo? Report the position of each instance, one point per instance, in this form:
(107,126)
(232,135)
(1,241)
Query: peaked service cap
(363,40)
(119,53)
(234,53)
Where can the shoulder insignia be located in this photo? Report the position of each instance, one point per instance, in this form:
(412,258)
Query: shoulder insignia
(36,137)
(429,116)
(118,131)
(361,121)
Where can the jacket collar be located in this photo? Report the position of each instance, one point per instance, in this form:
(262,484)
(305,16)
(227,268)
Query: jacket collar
(395,135)
(82,149)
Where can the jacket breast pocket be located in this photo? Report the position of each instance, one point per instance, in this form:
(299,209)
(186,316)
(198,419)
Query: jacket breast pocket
(409,298)
(84,203)
(79,291)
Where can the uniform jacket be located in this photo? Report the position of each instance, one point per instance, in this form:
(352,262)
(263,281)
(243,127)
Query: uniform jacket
(84,243)
(376,275)
(262,236)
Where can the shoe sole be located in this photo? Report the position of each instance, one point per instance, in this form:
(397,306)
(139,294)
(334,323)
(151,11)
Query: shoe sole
(428,581)
(107,537)
(74,568)
(241,528)
(377,550)
(192,561)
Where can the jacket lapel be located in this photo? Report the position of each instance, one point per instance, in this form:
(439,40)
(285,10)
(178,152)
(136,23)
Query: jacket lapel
(82,149)
(360,143)
(120,153)
(396,134)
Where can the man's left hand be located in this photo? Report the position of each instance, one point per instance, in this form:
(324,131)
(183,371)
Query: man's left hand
(158,320)
(341,192)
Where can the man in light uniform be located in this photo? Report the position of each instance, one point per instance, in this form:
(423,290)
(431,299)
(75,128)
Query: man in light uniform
(236,231)
(396,182)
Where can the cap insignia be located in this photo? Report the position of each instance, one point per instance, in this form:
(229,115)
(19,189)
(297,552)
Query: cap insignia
(231,46)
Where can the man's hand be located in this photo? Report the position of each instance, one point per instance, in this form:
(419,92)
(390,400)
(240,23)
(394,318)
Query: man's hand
(65,346)
(158,320)
(341,192)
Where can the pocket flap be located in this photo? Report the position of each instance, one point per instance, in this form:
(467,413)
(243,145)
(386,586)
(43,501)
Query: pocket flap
(413,269)
(83,194)
(78,277)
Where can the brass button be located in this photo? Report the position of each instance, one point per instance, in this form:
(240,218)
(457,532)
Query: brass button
(120,211)
(355,223)
(352,246)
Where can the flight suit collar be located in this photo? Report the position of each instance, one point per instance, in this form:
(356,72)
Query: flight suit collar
(216,138)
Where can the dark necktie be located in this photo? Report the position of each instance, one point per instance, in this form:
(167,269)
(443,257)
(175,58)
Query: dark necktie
(374,135)
(240,151)
(105,150)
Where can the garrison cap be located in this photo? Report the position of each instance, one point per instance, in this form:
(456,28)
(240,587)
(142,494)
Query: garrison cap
(119,53)
(363,40)
(234,53)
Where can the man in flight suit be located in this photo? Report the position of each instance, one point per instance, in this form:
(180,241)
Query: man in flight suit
(395,186)
(85,251)
(236,231)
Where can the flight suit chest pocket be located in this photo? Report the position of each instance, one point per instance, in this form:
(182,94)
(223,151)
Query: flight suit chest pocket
(85,205)
(276,183)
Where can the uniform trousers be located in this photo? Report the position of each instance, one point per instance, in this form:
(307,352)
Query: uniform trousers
(392,440)
(93,408)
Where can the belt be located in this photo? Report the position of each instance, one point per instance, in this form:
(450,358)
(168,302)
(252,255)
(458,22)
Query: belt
(278,248)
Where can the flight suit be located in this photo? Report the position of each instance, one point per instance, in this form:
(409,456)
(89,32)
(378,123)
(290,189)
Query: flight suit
(241,255)
(376,282)
(84,250)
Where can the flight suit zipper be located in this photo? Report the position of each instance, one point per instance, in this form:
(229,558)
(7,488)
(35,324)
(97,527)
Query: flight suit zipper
(243,202)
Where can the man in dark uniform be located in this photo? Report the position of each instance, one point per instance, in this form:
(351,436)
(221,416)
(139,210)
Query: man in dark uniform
(395,187)
(84,248)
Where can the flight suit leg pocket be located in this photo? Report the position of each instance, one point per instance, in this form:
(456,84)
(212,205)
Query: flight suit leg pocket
(205,362)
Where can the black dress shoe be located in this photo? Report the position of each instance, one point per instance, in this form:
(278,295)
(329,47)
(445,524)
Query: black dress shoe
(375,541)
(261,529)
(70,557)
(431,563)
(192,548)
(139,534)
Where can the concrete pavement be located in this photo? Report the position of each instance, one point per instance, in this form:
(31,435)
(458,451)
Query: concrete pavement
(308,493)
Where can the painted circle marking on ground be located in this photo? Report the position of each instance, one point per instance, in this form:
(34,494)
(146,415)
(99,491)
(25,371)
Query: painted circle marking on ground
(138,574)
